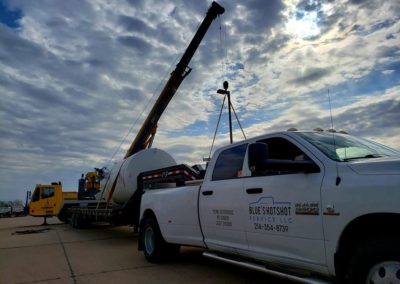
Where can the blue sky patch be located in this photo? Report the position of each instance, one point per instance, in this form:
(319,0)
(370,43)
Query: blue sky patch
(9,17)
(348,92)
(236,66)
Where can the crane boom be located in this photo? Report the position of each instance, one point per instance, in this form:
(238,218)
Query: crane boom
(147,131)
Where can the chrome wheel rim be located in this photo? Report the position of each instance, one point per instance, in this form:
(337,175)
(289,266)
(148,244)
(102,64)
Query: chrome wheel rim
(387,272)
(149,240)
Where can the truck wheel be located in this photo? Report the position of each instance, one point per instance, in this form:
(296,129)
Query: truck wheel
(154,246)
(376,262)
(63,216)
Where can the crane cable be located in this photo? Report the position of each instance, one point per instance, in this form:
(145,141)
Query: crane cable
(224,55)
(223,75)
(149,100)
(216,129)
(224,50)
(137,119)
(240,125)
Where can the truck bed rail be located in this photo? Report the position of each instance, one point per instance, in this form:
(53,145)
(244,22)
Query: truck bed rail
(179,175)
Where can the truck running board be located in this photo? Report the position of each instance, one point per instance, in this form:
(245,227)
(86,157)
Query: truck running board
(259,267)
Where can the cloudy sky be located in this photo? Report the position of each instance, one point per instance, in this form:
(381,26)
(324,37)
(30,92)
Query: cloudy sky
(77,78)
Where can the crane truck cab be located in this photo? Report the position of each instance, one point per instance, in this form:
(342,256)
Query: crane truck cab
(48,199)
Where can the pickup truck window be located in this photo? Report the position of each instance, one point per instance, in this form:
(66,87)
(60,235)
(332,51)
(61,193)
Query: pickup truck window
(229,163)
(282,149)
(344,147)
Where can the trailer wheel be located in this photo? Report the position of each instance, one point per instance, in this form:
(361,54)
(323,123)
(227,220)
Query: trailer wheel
(154,246)
(376,262)
(77,221)
(73,220)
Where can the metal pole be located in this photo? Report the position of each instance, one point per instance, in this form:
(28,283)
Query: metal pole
(28,196)
(228,93)
(230,116)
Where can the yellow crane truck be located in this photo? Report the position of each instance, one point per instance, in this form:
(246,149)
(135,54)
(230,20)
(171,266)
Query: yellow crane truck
(50,200)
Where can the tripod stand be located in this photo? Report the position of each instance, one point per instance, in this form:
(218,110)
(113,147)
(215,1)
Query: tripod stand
(226,93)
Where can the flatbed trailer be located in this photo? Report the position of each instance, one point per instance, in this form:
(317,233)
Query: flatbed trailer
(178,175)
(92,211)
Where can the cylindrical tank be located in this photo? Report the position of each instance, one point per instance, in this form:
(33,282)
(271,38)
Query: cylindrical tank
(130,168)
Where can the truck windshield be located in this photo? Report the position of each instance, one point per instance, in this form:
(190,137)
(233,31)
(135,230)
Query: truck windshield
(344,147)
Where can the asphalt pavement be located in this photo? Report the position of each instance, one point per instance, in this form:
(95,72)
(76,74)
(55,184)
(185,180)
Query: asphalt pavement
(58,253)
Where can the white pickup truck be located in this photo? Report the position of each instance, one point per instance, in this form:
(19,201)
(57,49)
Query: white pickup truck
(303,205)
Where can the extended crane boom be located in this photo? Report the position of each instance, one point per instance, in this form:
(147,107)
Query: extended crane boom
(123,206)
(146,133)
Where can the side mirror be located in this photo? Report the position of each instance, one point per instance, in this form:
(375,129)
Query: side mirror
(257,156)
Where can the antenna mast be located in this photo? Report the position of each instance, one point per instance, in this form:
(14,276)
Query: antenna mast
(338,179)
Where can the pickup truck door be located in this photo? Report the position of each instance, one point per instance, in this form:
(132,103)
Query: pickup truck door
(284,222)
(222,215)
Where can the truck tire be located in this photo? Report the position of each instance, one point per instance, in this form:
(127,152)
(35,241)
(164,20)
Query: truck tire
(376,262)
(155,248)
(63,216)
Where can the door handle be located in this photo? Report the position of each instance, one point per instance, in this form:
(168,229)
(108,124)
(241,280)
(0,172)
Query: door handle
(208,192)
(254,190)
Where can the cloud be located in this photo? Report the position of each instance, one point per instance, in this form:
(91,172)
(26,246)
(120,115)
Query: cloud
(134,24)
(22,50)
(310,75)
(135,43)
(74,82)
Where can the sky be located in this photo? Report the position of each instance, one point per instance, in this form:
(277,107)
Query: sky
(77,78)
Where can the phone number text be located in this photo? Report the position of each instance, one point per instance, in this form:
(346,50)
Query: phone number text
(271,228)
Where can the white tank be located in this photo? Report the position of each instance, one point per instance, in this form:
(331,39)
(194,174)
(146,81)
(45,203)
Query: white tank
(130,168)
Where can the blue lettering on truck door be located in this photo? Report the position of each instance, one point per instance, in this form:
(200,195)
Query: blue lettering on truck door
(274,225)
